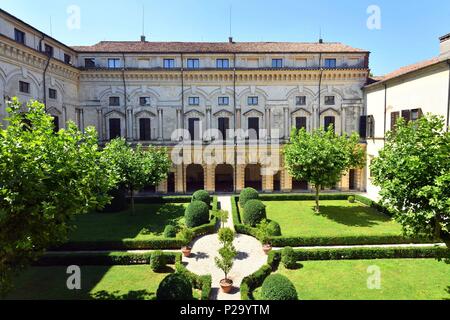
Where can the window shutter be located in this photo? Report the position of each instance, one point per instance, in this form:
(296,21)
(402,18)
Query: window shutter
(363,127)
(406,114)
(300,122)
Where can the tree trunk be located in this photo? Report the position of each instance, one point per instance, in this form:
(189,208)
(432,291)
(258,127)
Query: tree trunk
(317,199)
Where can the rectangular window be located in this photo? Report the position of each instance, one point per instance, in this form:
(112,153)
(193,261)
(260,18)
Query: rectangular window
(416,114)
(224,125)
(89,63)
(145,129)
(300,123)
(330,63)
(330,121)
(370,127)
(24,87)
(194,101)
(169,63)
(144,101)
(52,93)
(277,63)
(193,63)
(300,101)
(114,101)
(253,128)
(114,63)
(67,59)
(224,101)
(222,63)
(394,119)
(363,120)
(252,101)
(406,114)
(19,36)
(194,128)
(329,100)
(48,50)
(55,124)
(114,129)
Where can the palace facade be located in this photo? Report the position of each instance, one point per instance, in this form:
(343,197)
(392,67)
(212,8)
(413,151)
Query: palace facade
(163,93)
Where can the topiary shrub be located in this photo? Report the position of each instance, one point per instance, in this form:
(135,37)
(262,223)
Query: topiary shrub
(274,229)
(254,212)
(202,195)
(246,195)
(170,231)
(157,261)
(288,258)
(278,287)
(351,199)
(197,214)
(175,286)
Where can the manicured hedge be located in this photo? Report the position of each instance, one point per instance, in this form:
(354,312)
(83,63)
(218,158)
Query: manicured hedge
(248,194)
(202,195)
(254,212)
(303,197)
(254,281)
(278,287)
(202,283)
(370,203)
(162,199)
(103,259)
(175,286)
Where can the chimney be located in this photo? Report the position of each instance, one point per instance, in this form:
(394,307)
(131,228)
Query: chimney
(143,38)
(230,39)
(445,45)
(320,40)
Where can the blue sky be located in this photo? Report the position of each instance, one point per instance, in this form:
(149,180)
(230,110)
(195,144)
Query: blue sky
(409,29)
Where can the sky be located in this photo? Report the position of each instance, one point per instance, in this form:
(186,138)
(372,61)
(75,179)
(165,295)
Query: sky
(396,32)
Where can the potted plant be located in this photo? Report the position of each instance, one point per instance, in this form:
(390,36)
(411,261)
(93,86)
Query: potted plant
(263,235)
(186,235)
(225,263)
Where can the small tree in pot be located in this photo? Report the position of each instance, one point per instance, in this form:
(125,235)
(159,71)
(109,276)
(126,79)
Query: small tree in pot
(186,235)
(226,260)
(263,235)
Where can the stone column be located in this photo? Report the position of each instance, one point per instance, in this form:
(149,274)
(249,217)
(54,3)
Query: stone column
(82,120)
(129,124)
(160,124)
(286,123)
(210,178)
(343,120)
(64,117)
(208,122)
(179,179)
(287,185)
(99,124)
(268,126)
(238,119)
(240,179)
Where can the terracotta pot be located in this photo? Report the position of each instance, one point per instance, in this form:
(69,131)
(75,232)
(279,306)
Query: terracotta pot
(267,248)
(186,251)
(226,285)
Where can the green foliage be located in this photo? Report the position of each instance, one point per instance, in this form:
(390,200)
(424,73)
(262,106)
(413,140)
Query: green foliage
(226,260)
(278,287)
(202,195)
(274,229)
(197,213)
(202,283)
(413,171)
(175,286)
(45,179)
(226,236)
(254,281)
(186,235)
(351,199)
(288,258)
(223,216)
(170,231)
(322,157)
(157,261)
(254,212)
(246,195)
(263,231)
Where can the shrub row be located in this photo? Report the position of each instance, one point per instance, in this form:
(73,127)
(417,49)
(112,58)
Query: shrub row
(162,199)
(370,203)
(205,229)
(238,225)
(202,283)
(303,197)
(103,259)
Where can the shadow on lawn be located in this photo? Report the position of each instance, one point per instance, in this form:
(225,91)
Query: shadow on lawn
(353,216)
(131,295)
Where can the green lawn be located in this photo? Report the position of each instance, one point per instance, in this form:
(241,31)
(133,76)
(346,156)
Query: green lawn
(97,282)
(401,279)
(337,218)
(148,222)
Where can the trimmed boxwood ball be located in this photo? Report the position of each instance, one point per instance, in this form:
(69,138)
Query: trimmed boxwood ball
(202,195)
(254,212)
(351,199)
(274,229)
(175,286)
(170,231)
(278,287)
(248,194)
(157,261)
(196,214)
(288,258)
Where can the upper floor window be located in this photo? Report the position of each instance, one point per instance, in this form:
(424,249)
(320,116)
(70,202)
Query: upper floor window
(194,101)
(300,101)
(24,87)
(67,58)
(144,101)
(114,101)
(330,123)
(19,36)
(330,63)
(89,63)
(416,114)
(224,101)
(48,50)
(52,93)
(114,63)
(169,63)
(277,63)
(252,101)
(222,63)
(193,63)
(329,100)
(300,123)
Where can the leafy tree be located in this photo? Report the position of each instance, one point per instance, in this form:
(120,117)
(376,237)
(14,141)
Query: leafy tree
(137,167)
(45,179)
(322,157)
(413,171)
(226,260)
(223,216)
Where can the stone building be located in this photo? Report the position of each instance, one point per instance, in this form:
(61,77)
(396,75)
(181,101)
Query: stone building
(165,93)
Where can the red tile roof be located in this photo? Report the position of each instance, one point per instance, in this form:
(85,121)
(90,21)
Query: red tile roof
(217,47)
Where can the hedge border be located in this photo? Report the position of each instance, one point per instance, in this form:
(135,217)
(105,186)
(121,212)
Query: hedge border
(202,283)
